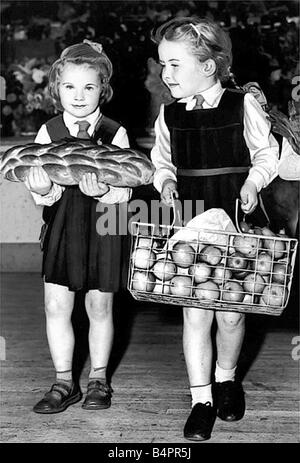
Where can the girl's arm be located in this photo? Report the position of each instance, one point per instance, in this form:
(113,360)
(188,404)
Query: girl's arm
(55,192)
(289,164)
(118,194)
(161,154)
(264,149)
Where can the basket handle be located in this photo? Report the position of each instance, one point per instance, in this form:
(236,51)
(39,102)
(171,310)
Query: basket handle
(239,201)
(176,212)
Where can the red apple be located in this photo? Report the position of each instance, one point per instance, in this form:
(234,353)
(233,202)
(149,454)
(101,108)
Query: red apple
(211,255)
(279,272)
(181,285)
(143,258)
(207,290)
(233,292)
(143,281)
(200,271)
(221,274)
(237,262)
(183,254)
(263,263)
(254,283)
(274,295)
(275,247)
(246,244)
(164,269)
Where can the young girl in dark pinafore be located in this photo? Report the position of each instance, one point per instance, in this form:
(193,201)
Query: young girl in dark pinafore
(212,144)
(75,256)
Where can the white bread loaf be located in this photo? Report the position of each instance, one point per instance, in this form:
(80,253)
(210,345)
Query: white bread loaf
(66,162)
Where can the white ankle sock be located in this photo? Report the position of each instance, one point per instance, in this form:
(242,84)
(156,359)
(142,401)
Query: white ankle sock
(201,394)
(222,375)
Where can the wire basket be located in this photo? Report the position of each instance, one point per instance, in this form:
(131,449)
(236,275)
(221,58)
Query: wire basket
(247,272)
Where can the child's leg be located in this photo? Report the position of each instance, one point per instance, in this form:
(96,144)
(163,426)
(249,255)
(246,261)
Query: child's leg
(229,339)
(197,347)
(58,307)
(197,344)
(99,310)
(59,303)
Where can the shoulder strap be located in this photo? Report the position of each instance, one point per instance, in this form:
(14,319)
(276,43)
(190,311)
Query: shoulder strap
(105,130)
(57,129)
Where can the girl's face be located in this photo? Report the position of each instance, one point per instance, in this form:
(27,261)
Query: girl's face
(79,89)
(182,72)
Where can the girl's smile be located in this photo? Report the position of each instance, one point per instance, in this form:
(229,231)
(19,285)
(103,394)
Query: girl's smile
(79,89)
(182,72)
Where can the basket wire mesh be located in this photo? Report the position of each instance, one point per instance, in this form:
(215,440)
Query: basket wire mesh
(247,272)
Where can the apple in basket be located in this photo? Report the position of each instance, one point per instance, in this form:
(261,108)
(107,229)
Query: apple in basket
(263,263)
(246,244)
(254,283)
(279,272)
(181,285)
(275,247)
(146,242)
(211,255)
(143,281)
(274,295)
(143,258)
(183,254)
(207,291)
(164,269)
(221,274)
(237,262)
(233,292)
(161,288)
(200,271)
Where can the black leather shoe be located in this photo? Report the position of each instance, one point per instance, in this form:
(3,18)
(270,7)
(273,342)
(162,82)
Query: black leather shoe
(58,398)
(98,396)
(200,422)
(230,400)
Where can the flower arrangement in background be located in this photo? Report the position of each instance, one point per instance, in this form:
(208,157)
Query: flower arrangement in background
(28,104)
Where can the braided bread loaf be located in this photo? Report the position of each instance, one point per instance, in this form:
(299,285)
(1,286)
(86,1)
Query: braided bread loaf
(66,162)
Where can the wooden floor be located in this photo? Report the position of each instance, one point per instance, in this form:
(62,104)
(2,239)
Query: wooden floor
(150,400)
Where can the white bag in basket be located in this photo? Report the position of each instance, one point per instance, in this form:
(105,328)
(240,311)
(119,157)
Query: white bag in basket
(214,219)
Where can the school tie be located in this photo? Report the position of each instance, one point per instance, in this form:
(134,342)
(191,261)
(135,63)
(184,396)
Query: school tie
(83,129)
(199,102)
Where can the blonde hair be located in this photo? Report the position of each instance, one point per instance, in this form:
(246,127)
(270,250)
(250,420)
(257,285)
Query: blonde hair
(89,53)
(205,38)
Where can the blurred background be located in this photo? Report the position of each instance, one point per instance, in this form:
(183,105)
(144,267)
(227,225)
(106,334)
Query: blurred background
(33,33)
(265,37)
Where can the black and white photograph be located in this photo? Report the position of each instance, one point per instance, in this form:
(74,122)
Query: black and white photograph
(149,210)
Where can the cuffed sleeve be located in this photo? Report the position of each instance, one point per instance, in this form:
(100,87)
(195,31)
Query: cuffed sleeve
(50,198)
(264,149)
(116,195)
(289,164)
(161,153)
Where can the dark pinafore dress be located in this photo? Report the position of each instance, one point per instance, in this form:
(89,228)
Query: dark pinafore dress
(74,254)
(210,153)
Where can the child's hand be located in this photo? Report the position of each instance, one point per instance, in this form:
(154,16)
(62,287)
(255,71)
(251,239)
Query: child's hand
(169,190)
(90,186)
(38,181)
(248,195)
